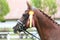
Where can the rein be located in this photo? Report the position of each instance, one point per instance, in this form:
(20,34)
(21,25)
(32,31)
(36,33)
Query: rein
(22,27)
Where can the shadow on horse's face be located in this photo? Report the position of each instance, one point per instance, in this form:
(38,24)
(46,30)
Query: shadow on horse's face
(22,23)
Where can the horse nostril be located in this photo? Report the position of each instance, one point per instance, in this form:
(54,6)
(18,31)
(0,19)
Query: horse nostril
(13,27)
(15,31)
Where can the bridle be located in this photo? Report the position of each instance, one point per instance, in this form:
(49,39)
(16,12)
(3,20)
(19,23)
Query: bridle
(23,28)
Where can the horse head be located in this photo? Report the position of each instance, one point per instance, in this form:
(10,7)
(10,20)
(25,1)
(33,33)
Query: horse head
(23,22)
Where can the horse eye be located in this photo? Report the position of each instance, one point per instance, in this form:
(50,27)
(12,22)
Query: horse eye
(25,15)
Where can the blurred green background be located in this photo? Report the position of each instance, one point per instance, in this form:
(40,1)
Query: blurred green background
(4,9)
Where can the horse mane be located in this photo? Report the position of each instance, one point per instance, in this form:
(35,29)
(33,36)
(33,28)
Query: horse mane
(49,17)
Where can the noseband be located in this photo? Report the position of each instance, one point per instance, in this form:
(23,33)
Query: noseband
(21,25)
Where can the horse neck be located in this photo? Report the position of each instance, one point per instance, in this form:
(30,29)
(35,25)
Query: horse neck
(45,26)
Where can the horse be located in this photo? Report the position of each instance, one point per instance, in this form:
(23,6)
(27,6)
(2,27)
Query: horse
(47,28)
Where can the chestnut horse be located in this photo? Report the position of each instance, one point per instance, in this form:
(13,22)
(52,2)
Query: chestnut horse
(47,28)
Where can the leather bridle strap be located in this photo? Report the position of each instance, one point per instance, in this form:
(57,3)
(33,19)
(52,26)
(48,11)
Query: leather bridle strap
(26,30)
(32,34)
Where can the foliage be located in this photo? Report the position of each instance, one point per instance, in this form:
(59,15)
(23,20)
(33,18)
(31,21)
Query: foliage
(4,9)
(48,6)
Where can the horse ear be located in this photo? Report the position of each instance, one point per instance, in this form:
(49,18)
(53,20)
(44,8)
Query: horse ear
(29,6)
